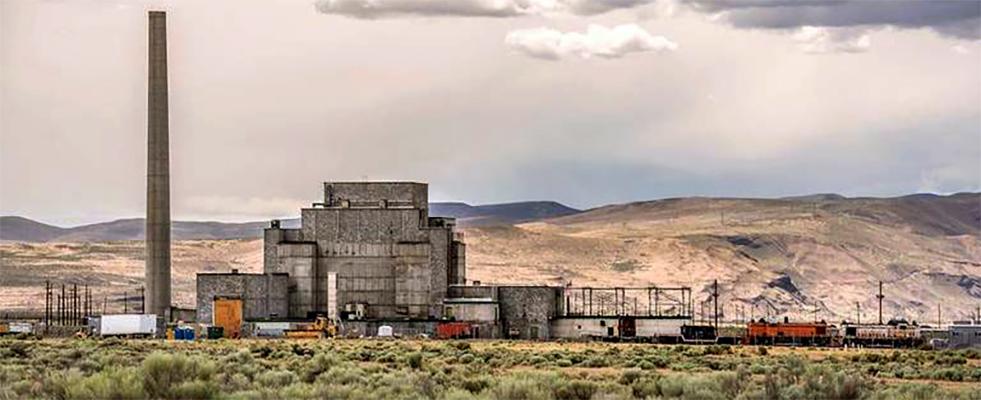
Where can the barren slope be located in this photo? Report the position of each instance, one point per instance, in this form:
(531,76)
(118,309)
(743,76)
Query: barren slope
(784,256)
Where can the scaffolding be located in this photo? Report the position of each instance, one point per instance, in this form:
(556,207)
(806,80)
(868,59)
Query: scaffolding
(650,301)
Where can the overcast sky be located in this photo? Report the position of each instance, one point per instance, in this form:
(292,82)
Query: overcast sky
(586,102)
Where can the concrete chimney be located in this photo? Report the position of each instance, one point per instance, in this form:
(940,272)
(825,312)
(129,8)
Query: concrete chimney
(157,171)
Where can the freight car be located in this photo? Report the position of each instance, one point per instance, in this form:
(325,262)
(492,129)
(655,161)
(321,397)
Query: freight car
(896,333)
(701,334)
(789,333)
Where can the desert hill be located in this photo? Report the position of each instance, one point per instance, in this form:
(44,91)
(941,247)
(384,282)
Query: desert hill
(20,229)
(781,255)
(497,214)
(788,256)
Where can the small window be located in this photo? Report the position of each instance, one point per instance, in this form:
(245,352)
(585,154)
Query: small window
(602,323)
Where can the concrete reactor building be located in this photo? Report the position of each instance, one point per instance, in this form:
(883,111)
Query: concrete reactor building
(371,258)
(370,250)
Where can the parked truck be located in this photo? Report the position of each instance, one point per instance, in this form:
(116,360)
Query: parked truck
(138,325)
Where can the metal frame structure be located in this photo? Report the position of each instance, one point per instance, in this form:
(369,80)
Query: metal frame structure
(650,301)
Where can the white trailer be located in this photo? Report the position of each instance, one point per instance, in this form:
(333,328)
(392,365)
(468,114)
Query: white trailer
(127,325)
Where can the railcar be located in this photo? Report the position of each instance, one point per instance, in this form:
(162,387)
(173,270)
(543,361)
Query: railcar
(699,334)
(788,333)
(893,334)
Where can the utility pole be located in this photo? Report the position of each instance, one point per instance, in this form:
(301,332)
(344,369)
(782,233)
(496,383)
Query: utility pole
(715,300)
(47,304)
(125,304)
(142,301)
(74,304)
(61,306)
(880,296)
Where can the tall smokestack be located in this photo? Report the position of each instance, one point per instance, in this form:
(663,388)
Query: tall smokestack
(157,171)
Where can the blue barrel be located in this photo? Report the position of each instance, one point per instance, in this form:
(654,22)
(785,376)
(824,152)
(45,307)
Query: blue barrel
(189,334)
(179,334)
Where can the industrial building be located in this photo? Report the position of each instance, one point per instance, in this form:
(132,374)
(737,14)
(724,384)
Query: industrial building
(370,255)
(369,250)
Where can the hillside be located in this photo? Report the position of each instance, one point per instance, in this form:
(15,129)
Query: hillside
(498,214)
(785,256)
(20,229)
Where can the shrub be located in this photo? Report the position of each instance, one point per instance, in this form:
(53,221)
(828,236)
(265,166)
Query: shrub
(630,376)
(319,364)
(538,360)
(457,394)
(577,389)
(277,378)
(195,390)
(519,388)
(415,360)
(163,372)
(645,388)
(115,384)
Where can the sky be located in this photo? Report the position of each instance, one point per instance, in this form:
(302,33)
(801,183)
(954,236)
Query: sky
(585,102)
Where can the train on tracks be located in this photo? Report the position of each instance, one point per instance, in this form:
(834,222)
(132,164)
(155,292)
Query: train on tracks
(894,334)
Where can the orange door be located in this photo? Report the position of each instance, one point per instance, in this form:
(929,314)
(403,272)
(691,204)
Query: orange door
(228,315)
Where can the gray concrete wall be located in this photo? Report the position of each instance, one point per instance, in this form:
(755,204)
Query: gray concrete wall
(361,194)
(299,261)
(471,311)
(263,296)
(439,261)
(458,264)
(472,292)
(378,239)
(526,310)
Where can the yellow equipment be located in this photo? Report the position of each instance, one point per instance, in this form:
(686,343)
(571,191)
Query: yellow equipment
(319,329)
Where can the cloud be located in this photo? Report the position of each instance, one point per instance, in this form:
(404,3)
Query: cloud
(371,9)
(229,208)
(598,41)
(961,19)
(592,7)
(960,49)
(820,40)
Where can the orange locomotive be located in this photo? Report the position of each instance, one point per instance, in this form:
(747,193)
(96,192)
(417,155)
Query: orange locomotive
(806,334)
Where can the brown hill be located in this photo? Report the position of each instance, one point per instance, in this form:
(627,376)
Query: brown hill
(20,229)
(785,256)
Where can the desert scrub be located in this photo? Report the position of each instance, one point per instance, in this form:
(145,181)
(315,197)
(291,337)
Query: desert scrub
(176,376)
(376,369)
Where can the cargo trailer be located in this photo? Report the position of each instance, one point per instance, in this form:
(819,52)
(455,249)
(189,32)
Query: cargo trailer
(126,325)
